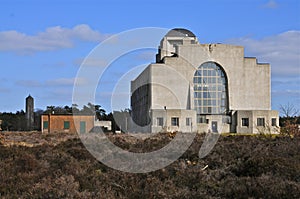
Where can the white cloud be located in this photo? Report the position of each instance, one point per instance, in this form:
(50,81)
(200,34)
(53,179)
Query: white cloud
(59,82)
(65,82)
(290,93)
(4,90)
(58,96)
(52,38)
(97,62)
(28,83)
(146,55)
(281,51)
(270,4)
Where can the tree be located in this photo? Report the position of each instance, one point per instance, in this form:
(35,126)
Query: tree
(290,127)
(75,108)
(288,110)
(68,109)
(290,120)
(100,113)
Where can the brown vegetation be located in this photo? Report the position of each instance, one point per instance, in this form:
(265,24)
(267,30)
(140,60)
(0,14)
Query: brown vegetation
(238,167)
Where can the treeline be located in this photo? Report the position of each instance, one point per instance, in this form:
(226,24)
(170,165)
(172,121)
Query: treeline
(17,121)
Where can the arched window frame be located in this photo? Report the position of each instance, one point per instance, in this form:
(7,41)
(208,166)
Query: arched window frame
(210,90)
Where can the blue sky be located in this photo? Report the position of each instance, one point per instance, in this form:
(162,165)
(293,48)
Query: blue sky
(42,43)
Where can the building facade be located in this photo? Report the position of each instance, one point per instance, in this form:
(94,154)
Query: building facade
(56,123)
(196,87)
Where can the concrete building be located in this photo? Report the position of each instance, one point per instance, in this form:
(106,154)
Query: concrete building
(202,88)
(106,125)
(29,106)
(55,123)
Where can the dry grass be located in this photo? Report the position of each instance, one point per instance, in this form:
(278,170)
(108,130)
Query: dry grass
(58,166)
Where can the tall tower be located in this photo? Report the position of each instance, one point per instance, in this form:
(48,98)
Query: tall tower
(29,112)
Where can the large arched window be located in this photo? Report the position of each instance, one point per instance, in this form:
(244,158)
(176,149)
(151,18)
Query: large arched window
(210,90)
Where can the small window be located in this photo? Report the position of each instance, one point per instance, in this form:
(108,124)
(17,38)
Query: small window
(66,125)
(245,122)
(188,121)
(201,119)
(160,121)
(274,122)
(45,124)
(175,121)
(261,121)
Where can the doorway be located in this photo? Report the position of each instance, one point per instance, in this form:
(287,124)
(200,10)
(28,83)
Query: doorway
(214,126)
(82,127)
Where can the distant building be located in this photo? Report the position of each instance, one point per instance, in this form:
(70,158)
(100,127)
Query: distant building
(55,123)
(106,125)
(29,112)
(202,88)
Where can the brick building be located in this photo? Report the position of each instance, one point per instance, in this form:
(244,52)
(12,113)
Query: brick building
(55,123)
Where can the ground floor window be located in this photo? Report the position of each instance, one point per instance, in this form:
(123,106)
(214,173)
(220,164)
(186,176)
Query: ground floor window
(260,121)
(45,124)
(274,121)
(245,122)
(201,119)
(175,121)
(188,121)
(66,125)
(160,121)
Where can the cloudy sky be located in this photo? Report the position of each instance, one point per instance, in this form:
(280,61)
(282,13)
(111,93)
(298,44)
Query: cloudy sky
(43,43)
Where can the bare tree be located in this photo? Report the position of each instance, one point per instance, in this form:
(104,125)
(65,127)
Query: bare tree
(288,110)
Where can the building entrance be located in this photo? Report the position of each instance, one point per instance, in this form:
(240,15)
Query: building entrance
(214,126)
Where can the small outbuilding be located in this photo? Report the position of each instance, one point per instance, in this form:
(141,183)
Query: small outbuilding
(55,123)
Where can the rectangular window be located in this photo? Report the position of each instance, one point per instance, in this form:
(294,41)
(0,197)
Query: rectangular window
(175,121)
(201,119)
(274,121)
(45,124)
(160,121)
(245,122)
(66,125)
(260,121)
(188,121)
(209,109)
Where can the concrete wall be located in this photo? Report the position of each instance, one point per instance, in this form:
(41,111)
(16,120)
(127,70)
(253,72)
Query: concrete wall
(141,98)
(105,124)
(171,84)
(248,82)
(169,88)
(253,126)
(167,116)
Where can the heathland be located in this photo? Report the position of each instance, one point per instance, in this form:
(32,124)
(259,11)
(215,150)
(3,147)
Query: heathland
(33,165)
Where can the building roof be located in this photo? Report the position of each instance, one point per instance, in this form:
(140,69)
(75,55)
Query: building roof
(180,32)
(68,114)
(29,96)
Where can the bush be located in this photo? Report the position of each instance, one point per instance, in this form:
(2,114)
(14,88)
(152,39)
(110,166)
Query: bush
(238,166)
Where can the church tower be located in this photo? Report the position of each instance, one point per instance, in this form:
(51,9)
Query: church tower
(29,112)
